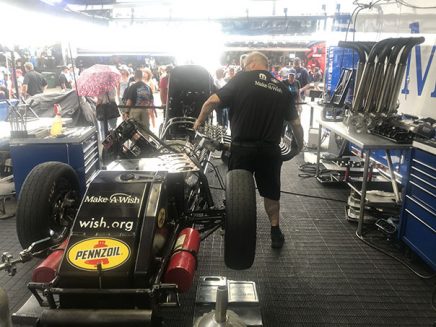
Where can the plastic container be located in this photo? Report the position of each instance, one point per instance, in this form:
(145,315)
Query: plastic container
(56,127)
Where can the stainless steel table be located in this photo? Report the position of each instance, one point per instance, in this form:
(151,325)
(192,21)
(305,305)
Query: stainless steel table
(367,143)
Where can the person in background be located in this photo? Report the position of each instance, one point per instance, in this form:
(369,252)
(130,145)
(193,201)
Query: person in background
(294,88)
(105,98)
(4,94)
(139,94)
(302,76)
(33,83)
(230,74)
(147,78)
(275,72)
(258,105)
(284,72)
(163,85)
(124,82)
(221,113)
(316,77)
(20,80)
(64,79)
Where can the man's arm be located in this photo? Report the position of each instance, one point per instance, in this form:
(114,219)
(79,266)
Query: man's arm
(207,108)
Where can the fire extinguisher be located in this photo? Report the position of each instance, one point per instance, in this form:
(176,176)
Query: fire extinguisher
(183,262)
(47,270)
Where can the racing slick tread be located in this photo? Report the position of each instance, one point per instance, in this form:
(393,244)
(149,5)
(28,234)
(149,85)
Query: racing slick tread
(36,200)
(240,221)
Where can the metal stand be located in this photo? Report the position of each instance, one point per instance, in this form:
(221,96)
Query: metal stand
(367,143)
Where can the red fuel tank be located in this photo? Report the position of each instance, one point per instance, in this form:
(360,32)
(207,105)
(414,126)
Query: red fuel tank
(183,262)
(47,270)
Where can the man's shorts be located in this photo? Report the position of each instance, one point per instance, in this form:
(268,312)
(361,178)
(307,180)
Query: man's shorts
(262,160)
(141,116)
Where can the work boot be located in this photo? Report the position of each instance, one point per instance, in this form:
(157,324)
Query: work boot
(277,238)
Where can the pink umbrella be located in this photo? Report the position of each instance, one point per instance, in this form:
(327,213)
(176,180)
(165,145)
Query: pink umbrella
(97,80)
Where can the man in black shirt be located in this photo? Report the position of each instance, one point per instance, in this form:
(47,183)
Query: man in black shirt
(258,104)
(33,82)
(64,79)
(139,94)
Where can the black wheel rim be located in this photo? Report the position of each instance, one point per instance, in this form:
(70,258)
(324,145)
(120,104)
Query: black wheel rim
(62,217)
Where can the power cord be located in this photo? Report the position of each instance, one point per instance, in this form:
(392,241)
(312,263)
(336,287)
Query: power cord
(313,196)
(395,258)
(293,193)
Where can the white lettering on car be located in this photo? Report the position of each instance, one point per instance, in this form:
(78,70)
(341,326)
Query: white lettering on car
(102,223)
(117,198)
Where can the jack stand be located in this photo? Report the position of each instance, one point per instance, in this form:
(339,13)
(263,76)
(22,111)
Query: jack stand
(216,294)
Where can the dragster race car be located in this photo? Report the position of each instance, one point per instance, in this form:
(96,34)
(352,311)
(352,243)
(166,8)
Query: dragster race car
(125,249)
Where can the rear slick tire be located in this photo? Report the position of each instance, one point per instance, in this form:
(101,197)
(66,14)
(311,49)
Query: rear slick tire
(240,220)
(41,209)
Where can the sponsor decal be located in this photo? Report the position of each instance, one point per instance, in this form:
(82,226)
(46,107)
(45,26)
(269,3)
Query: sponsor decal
(121,224)
(116,198)
(262,77)
(109,252)
(161,217)
(270,86)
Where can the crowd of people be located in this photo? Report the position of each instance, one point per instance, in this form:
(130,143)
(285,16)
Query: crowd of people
(138,87)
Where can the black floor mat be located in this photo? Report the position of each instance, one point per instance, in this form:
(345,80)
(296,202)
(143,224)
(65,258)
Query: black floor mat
(323,276)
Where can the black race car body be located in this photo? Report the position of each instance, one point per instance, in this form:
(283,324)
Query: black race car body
(128,246)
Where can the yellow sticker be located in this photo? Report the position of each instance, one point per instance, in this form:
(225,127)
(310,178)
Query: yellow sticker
(161,217)
(109,252)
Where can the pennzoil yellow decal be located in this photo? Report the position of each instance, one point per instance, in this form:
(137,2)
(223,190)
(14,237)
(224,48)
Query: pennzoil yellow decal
(161,217)
(109,252)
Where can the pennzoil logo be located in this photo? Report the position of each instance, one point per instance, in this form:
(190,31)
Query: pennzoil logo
(109,252)
(117,198)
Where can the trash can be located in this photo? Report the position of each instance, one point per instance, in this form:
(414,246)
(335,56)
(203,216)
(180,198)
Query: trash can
(50,78)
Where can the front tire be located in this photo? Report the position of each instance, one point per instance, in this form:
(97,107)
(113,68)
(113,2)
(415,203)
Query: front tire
(47,204)
(240,221)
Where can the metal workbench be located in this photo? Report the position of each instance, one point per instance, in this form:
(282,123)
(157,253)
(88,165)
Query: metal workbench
(367,143)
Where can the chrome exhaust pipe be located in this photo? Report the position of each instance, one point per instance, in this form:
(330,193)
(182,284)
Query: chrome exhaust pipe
(399,74)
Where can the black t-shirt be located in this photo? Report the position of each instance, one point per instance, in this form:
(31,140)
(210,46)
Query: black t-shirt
(64,81)
(302,76)
(258,104)
(293,88)
(35,82)
(140,94)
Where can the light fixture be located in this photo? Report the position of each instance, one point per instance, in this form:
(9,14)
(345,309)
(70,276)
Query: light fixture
(52,2)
